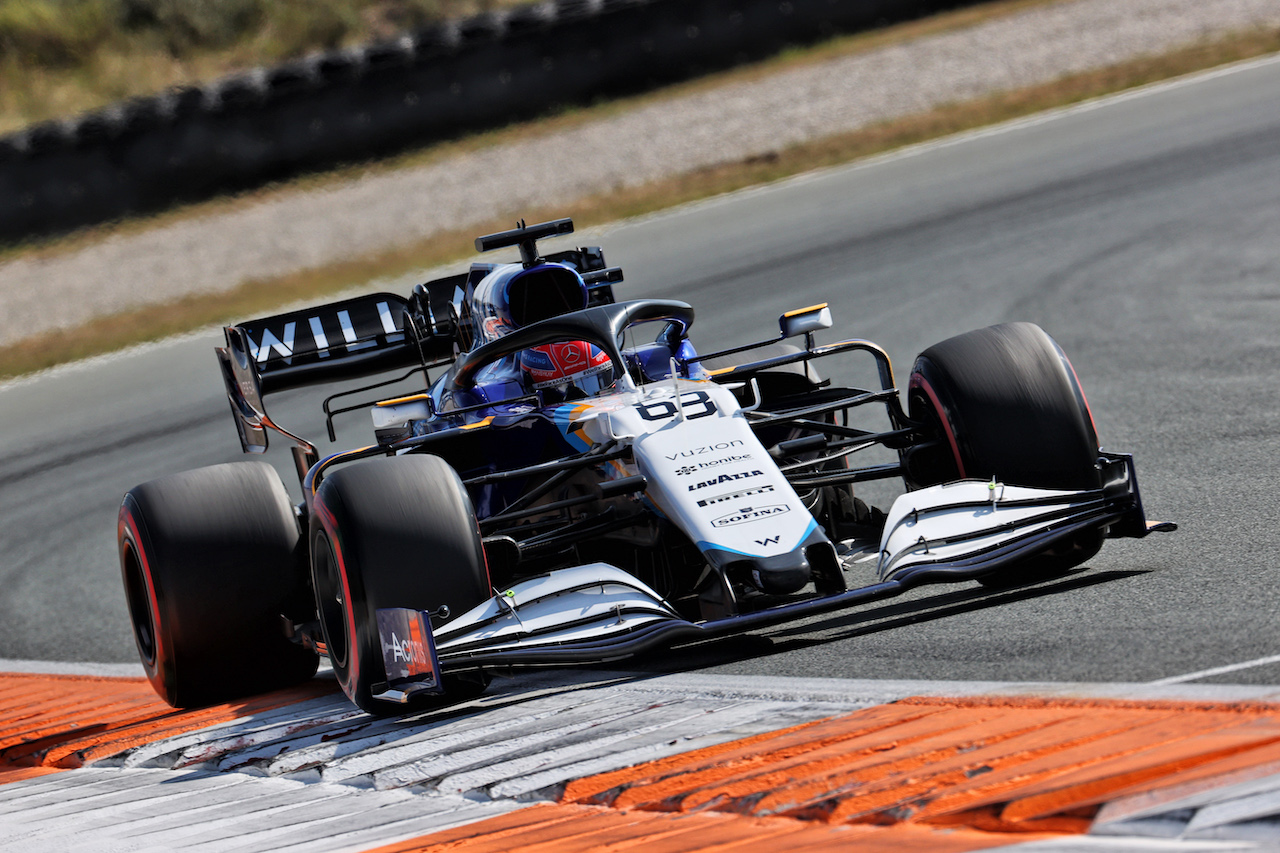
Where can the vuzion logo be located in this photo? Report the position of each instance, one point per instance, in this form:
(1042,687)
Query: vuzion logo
(750,513)
(725,478)
(708,448)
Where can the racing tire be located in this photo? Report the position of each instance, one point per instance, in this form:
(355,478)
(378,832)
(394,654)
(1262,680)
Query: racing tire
(1006,403)
(210,561)
(394,532)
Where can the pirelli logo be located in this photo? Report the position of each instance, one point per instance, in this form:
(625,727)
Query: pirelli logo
(735,496)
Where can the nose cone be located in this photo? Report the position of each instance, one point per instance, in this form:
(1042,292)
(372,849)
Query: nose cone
(780,575)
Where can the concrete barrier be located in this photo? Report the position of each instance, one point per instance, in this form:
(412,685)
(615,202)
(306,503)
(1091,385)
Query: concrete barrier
(191,143)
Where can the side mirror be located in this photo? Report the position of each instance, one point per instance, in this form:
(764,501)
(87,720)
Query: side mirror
(805,321)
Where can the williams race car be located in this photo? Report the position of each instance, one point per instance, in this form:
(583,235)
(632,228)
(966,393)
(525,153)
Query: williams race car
(576,484)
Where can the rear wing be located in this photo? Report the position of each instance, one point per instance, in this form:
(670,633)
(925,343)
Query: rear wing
(358,337)
(348,339)
(341,340)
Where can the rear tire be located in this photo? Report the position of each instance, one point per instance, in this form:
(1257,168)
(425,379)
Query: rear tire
(394,532)
(209,561)
(1006,403)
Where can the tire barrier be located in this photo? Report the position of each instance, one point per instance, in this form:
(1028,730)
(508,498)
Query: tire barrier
(187,144)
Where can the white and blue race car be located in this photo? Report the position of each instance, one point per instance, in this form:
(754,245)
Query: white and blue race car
(575,484)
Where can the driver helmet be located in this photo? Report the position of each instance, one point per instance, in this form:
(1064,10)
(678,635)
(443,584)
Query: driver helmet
(511,297)
(572,368)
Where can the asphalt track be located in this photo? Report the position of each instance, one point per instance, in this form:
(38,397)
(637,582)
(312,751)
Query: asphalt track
(1140,232)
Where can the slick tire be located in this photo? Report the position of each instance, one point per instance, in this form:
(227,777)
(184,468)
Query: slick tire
(394,532)
(209,561)
(1005,402)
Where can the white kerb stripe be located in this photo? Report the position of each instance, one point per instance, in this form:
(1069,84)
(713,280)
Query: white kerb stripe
(1205,673)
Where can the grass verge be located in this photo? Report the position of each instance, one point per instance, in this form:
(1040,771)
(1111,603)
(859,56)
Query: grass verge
(61,57)
(255,298)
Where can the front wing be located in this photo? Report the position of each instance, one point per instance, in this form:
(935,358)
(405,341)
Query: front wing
(954,532)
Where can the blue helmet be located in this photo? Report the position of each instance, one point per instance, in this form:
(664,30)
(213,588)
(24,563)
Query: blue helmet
(513,296)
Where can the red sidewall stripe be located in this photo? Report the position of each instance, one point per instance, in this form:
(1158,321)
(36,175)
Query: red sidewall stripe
(133,538)
(918,381)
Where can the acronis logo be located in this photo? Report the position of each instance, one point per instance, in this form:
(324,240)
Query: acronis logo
(409,651)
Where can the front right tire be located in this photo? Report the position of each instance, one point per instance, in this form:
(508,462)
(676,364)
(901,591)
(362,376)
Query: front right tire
(1005,402)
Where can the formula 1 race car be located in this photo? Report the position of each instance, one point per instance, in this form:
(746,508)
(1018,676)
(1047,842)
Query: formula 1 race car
(577,484)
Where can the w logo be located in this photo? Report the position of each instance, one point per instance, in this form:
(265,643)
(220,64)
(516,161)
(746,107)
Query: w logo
(768,540)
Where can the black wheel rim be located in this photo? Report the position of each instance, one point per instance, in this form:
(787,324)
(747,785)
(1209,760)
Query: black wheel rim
(135,588)
(331,603)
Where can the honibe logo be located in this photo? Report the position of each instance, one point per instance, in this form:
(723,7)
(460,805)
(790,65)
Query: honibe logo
(712,463)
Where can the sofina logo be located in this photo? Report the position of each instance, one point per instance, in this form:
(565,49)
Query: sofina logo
(749,513)
(725,478)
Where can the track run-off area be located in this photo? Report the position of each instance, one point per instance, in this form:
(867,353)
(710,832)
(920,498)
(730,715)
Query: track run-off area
(1140,231)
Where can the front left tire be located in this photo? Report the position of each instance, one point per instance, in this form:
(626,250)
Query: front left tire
(398,532)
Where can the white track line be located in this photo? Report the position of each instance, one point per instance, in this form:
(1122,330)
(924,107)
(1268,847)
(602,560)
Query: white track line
(48,667)
(1205,673)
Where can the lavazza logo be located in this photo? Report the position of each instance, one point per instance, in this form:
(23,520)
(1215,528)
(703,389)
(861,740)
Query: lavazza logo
(714,463)
(725,478)
(750,513)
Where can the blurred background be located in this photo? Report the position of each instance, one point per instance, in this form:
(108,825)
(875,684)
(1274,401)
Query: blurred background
(62,57)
